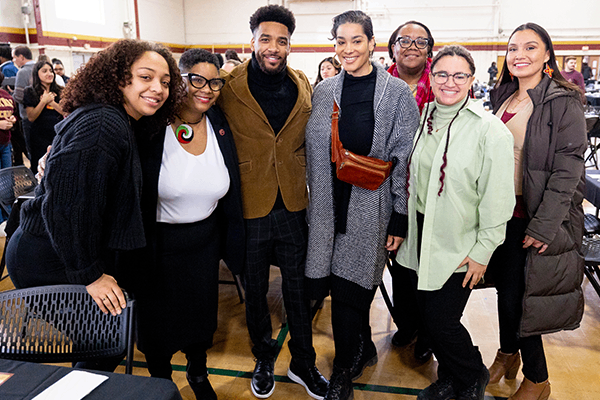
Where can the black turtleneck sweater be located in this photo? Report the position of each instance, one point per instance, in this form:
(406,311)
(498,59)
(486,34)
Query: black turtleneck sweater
(275,94)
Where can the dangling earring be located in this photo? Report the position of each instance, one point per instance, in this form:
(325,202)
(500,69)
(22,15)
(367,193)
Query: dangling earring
(511,75)
(548,71)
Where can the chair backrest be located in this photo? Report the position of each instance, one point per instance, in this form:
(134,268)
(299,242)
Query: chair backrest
(14,182)
(60,324)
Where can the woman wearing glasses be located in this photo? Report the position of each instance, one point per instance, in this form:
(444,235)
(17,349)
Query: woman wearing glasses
(538,270)
(411,48)
(192,215)
(351,228)
(460,197)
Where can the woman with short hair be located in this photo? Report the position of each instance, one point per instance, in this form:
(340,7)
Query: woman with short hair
(351,228)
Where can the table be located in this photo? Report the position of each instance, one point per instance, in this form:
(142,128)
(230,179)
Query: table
(31,379)
(592,187)
(593,99)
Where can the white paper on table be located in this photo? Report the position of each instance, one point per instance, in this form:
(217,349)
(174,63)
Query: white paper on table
(73,386)
(594,176)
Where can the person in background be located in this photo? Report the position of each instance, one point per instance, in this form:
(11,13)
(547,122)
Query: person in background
(328,67)
(571,74)
(493,71)
(7,67)
(411,48)
(231,54)
(92,183)
(587,72)
(351,229)
(23,59)
(230,65)
(267,105)
(41,102)
(539,269)
(460,198)
(59,69)
(7,121)
(192,213)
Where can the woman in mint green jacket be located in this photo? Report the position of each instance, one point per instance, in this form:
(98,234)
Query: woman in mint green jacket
(461,194)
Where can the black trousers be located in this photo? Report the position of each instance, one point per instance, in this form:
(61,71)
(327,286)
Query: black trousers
(159,364)
(349,324)
(507,267)
(279,238)
(452,345)
(405,312)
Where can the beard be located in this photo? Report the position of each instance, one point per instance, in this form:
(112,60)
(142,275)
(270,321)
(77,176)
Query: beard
(262,63)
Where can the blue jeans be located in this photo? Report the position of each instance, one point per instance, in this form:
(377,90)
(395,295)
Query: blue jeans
(5,162)
(5,155)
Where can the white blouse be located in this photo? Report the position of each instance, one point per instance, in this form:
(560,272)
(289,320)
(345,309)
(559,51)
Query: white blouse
(189,186)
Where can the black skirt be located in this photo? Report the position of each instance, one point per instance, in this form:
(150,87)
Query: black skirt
(177,306)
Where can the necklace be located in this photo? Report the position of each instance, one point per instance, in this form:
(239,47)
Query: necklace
(443,126)
(184,132)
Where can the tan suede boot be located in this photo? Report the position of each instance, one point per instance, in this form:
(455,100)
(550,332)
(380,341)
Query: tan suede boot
(532,391)
(504,364)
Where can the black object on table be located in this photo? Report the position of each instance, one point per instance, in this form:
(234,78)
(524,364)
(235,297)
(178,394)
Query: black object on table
(30,379)
(593,100)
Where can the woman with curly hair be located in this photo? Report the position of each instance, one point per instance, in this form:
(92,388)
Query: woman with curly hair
(88,203)
(43,111)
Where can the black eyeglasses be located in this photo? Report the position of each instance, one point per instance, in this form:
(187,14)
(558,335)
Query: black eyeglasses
(406,42)
(198,81)
(460,78)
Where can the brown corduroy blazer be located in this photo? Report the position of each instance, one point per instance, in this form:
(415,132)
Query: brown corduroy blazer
(268,162)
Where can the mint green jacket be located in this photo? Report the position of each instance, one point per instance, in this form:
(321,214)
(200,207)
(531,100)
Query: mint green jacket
(469,217)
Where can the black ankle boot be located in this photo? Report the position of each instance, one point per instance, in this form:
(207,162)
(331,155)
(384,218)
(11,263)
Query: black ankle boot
(201,387)
(340,385)
(477,390)
(365,357)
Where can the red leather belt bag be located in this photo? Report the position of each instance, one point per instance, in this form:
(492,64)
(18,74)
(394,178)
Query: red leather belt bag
(362,171)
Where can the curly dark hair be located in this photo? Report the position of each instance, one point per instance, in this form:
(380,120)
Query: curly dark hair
(195,56)
(273,13)
(100,80)
(37,83)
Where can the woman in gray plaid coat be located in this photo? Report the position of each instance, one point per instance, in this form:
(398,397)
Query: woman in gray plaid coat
(352,228)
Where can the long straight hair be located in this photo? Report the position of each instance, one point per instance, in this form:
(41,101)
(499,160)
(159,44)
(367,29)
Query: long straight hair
(37,83)
(557,77)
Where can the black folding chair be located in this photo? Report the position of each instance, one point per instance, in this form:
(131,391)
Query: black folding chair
(62,323)
(14,182)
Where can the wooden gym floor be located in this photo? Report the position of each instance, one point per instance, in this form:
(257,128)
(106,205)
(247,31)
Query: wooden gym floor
(573,356)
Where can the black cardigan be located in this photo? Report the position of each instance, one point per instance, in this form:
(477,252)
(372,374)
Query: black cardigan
(89,199)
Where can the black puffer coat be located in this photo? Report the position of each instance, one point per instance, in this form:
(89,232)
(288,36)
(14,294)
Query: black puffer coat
(553,191)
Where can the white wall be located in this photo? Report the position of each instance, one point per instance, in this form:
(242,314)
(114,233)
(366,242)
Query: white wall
(162,20)
(206,22)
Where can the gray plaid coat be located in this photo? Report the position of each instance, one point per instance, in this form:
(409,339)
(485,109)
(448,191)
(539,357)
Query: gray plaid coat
(359,254)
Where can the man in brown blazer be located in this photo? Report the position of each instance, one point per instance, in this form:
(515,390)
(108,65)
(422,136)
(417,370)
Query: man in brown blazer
(267,105)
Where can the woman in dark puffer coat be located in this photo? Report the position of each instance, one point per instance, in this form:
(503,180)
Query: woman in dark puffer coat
(539,269)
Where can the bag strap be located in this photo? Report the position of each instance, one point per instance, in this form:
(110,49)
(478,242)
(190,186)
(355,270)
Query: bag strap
(336,145)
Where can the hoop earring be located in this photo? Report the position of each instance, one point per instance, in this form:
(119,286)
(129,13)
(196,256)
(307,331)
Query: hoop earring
(548,71)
